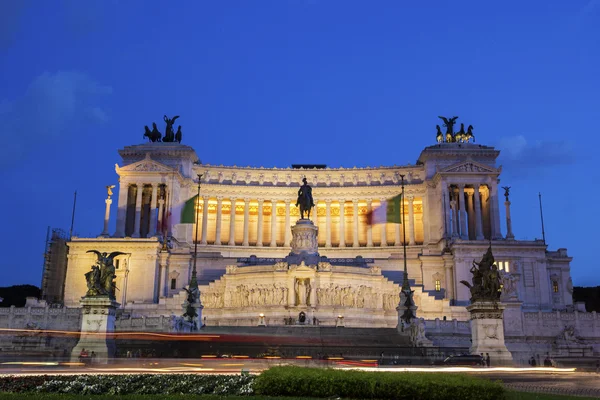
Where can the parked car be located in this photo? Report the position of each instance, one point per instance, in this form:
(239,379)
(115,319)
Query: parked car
(464,359)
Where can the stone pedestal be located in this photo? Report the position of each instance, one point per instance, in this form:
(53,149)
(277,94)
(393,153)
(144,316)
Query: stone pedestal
(97,328)
(106,218)
(304,238)
(487,332)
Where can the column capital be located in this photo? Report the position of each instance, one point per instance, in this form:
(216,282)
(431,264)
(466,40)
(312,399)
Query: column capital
(410,198)
(328,201)
(461,186)
(287,202)
(205,197)
(260,201)
(220,199)
(355,201)
(246,200)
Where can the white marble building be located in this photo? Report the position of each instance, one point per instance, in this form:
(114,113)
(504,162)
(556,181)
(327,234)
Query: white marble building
(452,212)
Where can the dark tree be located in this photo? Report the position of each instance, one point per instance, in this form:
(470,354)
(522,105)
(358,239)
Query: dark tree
(15,295)
(589,295)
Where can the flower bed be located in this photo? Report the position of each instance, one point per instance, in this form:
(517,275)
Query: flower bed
(316,382)
(130,384)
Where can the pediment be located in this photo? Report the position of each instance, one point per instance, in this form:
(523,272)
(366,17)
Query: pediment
(469,167)
(145,165)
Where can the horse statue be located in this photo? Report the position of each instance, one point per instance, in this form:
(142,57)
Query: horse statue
(460,135)
(469,135)
(449,124)
(305,199)
(439,137)
(178,135)
(152,135)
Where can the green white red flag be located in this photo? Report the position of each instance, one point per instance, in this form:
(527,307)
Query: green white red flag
(387,212)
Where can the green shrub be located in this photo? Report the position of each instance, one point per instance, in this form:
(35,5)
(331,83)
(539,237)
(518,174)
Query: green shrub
(316,382)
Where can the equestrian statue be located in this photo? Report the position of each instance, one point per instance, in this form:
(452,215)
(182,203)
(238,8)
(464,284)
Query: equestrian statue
(305,199)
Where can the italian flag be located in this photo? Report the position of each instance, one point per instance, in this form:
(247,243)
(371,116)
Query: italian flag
(188,213)
(388,211)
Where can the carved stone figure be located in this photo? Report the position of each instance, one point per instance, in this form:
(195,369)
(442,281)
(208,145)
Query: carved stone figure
(509,285)
(155,133)
(100,278)
(305,199)
(301,292)
(486,279)
(460,135)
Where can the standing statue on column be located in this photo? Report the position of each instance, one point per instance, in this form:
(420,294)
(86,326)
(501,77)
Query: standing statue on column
(305,199)
(506,192)
(109,189)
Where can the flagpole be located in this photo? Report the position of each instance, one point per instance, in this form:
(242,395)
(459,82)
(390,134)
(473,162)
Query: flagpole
(405,283)
(542,217)
(73,215)
(194,279)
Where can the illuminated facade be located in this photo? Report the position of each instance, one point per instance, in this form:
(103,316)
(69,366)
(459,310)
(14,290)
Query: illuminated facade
(451,214)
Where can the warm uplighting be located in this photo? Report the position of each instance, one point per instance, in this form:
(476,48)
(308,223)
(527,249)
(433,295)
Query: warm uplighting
(261,315)
(272,357)
(340,316)
(335,358)
(208,356)
(240,357)
(304,357)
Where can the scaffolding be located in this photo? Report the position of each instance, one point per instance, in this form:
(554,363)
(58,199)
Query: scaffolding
(55,266)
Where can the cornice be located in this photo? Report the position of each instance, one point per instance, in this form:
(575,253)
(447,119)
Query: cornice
(328,177)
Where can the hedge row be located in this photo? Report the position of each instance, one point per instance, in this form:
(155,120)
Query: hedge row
(316,382)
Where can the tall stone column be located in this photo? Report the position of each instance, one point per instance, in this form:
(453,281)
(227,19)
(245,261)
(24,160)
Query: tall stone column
(328,223)
(161,207)
(219,220)
(313,214)
(454,207)
(355,220)
(138,210)
(509,232)
(204,220)
(288,232)
(383,227)
(397,241)
(462,213)
(259,223)
(478,221)
(425,217)
(246,221)
(495,212)
(470,215)
(273,223)
(122,208)
(342,224)
(411,221)
(449,281)
(369,227)
(153,205)
(231,241)
(108,202)
(447,211)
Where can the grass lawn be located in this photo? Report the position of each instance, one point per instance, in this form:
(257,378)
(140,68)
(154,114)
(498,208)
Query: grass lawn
(53,396)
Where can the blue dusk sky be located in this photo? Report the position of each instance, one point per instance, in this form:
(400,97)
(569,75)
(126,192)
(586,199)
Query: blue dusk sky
(271,83)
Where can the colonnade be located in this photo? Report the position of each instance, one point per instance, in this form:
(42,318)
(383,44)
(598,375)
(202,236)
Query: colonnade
(341,223)
(471,211)
(141,209)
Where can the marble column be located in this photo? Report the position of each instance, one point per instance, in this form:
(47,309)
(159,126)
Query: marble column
(219,220)
(161,206)
(153,205)
(108,202)
(259,223)
(355,242)
(462,213)
(478,221)
(470,217)
(204,220)
(246,221)
(314,216)
(454,206)
(509,232)
(447,210)
(231,241)
(122,208)
(411,221)
(273,223)
(342,224)
(327,223)
(288,231)
(495,212)
(425,217)
(369,227)
(383,227)
(138,210)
